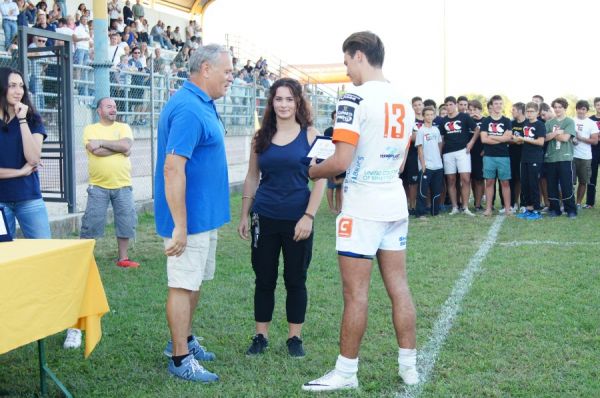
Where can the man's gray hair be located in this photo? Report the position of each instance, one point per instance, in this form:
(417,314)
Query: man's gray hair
(209,53)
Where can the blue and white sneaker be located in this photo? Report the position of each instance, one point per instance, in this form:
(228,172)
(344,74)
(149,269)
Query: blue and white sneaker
(534,215)
(199,352)
(524,215)
(191,370)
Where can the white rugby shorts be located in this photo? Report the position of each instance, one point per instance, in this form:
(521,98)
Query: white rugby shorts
(356,237)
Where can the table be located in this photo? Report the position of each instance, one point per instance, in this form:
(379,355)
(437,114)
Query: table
(47,286)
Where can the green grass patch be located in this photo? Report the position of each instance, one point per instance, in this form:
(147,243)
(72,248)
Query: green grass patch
(528,327)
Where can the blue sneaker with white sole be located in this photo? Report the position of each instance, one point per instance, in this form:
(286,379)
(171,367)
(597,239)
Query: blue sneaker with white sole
(199,352)
(534,215)
(524,215)
(191,370)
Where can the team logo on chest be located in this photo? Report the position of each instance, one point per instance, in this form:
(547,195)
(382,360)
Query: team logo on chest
(496,128)
(529,131)
(453,127)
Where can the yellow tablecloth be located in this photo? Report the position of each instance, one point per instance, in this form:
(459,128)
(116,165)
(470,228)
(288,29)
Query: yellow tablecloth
(47,286)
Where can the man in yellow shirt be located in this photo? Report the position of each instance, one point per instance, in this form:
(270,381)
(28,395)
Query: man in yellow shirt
(108,144)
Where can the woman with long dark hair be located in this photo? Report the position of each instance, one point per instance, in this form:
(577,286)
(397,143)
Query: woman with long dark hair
(21,136)
(282,208)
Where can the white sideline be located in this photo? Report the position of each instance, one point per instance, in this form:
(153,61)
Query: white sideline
(516,243)
(427,356)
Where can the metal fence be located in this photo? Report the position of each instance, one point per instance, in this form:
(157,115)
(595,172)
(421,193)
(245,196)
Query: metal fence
(140,96)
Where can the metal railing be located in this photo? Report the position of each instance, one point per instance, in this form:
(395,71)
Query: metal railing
(140,97)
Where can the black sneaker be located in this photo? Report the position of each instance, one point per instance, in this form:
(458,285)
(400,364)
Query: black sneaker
(258,346)
(295,348)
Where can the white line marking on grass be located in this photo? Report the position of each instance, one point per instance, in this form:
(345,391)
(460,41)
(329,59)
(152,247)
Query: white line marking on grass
(516,243)
(427,356)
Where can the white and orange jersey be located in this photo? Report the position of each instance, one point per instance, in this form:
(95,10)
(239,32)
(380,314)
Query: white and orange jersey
(376,119)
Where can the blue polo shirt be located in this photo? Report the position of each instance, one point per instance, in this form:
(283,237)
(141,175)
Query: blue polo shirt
(189,126)
(12,157)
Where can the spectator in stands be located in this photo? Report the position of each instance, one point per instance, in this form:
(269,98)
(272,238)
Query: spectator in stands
(158,34)
(42,6)
(248,67)
(246,77)
(70,22)
(182,59)
(263,80)
(121,75)
(108,145)
(24,6)
(191,158)
(42,23)
(129,37)
(282,210)
(10,13)
(80,11)
(121,25)
(140,80)
(127,13)
(21,138)
(114,11)
(190,31)
(193,43)
(159,64)
(138,10)
(198,33)
(62,5)
(30,11)
(141,27)
(55,14)
(176,39)
(115,50)
(82,40)
(145,54)
(38,71)
(239,93)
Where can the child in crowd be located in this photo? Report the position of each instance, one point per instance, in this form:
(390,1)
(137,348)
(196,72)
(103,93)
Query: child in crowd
(431,170)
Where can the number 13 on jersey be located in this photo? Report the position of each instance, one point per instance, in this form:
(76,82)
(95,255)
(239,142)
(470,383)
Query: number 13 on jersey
(394,121)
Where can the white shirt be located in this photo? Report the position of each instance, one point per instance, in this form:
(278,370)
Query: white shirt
(117,57)
(430,138)
(82,31)
(585,128)
(115,10)
(378,120)
(9,10)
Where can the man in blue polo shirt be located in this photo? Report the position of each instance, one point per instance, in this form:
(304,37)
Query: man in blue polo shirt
(192,199)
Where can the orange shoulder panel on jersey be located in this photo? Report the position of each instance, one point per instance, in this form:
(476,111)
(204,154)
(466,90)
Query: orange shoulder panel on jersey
(344,135)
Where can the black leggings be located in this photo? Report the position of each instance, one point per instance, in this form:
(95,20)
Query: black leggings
(269,238)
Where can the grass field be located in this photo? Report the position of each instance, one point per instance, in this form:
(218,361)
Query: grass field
(528,326)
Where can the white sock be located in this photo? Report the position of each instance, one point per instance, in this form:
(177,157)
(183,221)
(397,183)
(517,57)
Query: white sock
(346,367)
(407,357)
